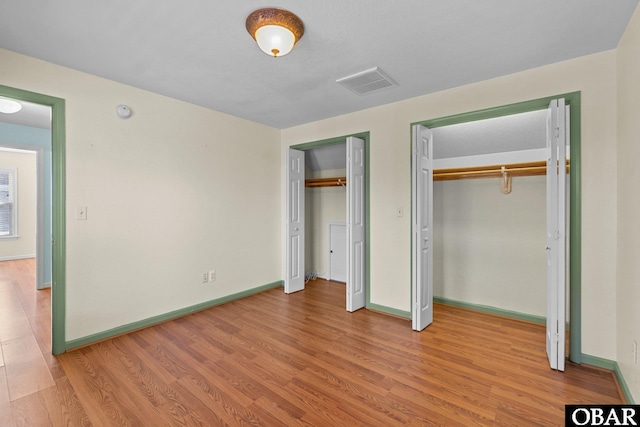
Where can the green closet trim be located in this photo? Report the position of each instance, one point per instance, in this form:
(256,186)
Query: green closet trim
(58,279)
(493,310)
(572,99)
(120,330)
(329,141)
(611,365)
(367,172)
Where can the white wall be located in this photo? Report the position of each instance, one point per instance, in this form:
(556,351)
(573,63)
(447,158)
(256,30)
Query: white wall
(172,192)
(594,76)
(322,205)
(489,246)
(25,245)
(628,291)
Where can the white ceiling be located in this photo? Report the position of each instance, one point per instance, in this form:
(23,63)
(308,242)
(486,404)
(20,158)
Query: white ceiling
(200,52)
(326,157)
(525,131)
(34,115)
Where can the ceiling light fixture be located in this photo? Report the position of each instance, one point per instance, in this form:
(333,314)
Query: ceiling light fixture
(275,30)
(9,106)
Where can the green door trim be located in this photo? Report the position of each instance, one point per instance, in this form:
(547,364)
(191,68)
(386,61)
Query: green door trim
(575,198)
(338,140)
(58,291)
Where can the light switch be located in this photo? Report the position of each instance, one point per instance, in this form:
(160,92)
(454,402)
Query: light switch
(81,213)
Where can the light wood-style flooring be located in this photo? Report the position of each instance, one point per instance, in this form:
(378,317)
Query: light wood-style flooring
(282,360)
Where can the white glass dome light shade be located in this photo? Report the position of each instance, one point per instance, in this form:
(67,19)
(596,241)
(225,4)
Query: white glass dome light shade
(9,106)
(275,30)
(275,40)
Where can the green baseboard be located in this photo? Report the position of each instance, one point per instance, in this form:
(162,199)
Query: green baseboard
(493,310)
(101,336)
(389,310)
(599,362)
(611,365)
(623,385)
(477,307)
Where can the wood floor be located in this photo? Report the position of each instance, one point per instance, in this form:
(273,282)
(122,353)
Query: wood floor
(283,360)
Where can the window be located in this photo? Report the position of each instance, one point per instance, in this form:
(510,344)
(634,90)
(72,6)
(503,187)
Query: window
(8,204)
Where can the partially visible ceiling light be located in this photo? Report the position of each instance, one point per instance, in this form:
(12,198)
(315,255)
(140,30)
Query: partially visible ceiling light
(275,30)
(9,106)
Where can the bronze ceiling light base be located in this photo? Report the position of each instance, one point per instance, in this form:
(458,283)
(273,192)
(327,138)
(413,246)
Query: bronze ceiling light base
(275,30)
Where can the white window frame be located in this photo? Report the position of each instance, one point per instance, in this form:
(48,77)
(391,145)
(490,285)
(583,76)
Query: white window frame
(12,199)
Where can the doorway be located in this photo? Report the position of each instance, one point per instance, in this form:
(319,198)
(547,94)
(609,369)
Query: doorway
(572,99)
(357,229)
(24,133)
(53,243)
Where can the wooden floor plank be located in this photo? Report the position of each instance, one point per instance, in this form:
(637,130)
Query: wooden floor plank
(57,406)
(6,418)
(298,359)
(25,367)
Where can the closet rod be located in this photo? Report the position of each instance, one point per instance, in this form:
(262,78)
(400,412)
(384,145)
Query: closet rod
(493,171)
(326,182)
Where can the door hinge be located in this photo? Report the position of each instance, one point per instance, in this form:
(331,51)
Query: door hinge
(556,337)
(556,235)
(558,132)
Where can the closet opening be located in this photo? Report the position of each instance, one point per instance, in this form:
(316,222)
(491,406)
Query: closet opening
(326,212)
(326,222)
(489,238)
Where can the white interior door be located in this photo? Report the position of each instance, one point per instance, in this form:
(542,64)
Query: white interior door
(356,245)
(338,252)
(422,236)
(294,261)
(556,233)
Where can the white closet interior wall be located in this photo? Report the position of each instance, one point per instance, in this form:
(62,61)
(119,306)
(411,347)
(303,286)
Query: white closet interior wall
(322,206)
(489,247)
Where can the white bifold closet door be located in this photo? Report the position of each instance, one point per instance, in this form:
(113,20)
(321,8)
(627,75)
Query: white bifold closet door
(556,233)
(294,262)
(422,236)
(356,230)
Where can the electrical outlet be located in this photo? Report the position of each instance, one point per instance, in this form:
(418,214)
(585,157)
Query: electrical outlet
(205,277)
(634,352)
(212,276)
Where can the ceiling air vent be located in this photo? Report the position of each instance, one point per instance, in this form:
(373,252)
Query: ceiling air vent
(368,81)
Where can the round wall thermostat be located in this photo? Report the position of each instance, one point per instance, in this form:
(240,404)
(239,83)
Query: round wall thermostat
(123,111)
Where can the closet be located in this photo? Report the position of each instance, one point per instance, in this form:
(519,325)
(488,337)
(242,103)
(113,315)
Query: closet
(325,212)
(482,249)
(489,213)
(342,157)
